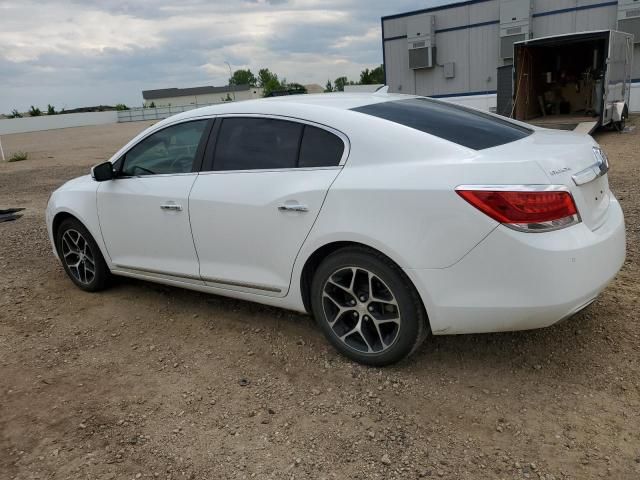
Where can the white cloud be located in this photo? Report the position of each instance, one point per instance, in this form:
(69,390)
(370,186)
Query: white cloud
(79,52)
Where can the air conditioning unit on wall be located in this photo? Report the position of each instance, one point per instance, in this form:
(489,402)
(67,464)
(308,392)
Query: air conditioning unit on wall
(629,18)
(421,41)
(515,24)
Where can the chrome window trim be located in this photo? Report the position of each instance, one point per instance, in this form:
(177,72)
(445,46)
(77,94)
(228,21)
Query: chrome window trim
(267,170)
(155,175)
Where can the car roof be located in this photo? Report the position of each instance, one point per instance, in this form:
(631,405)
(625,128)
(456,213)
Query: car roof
(335,101)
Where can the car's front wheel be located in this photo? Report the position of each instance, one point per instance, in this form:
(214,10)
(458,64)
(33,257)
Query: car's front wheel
(80,256)
(367,308)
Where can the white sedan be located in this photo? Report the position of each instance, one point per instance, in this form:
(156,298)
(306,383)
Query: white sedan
(388,217)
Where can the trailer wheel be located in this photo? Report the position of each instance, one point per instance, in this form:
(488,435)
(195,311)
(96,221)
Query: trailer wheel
(620,126)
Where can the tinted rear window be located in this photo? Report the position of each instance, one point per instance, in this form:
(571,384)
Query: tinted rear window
(320,148)
(454,123)
(257,143)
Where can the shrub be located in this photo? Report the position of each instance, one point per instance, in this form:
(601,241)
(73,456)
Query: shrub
(34,111)
(51,110)
(18,157)
(121,106)
(15,114)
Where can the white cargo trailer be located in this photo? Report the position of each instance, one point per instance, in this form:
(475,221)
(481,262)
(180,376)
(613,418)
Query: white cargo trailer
(580,78)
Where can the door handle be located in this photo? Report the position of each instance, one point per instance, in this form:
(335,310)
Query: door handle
(171,207)
(293,208)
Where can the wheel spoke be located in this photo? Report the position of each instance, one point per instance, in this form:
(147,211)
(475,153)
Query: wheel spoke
(344,289)
(380,336)
(341,309)
(357,330)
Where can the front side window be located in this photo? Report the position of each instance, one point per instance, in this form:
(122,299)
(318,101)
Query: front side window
(169,151)
(257,143)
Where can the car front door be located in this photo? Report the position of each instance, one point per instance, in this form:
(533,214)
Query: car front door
(143,212)
(251,212)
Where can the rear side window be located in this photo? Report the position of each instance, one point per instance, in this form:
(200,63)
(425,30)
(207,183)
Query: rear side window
(264,143)
(257,143)
(454,123)
(320,148)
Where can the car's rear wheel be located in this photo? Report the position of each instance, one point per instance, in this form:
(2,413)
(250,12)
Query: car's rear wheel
(367,308)
(81,257)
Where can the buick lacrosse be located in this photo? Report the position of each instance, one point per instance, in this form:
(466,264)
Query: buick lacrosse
(388,217)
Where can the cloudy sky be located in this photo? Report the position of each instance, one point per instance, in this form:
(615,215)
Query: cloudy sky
(86,52)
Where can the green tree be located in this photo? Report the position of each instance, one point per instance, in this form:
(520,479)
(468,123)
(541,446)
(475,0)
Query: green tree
(121,106)
(34,111)
(372,77)
(243,77)
(340,83)
(15,114)
(268,81)
(295,88)
(152,105)
(51,110)
(328,87)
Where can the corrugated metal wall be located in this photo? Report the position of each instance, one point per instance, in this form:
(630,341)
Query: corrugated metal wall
(469,36)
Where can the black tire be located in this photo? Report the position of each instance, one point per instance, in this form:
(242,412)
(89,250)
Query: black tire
(413,326)
(622,124)
(101,275)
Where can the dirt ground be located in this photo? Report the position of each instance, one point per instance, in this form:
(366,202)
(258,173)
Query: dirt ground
(146,381)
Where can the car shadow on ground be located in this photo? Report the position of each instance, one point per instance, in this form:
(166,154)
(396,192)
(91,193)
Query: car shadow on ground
(567,347)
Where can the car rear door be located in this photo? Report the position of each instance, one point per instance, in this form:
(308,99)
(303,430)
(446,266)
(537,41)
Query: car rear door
(143,212)
(251,211)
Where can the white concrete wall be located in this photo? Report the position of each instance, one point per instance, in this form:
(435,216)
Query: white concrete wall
(208,99)
(158,113)
(51,122)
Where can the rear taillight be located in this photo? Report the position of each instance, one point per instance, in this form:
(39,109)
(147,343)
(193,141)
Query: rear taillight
(528,209)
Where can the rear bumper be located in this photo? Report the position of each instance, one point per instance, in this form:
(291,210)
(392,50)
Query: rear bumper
(520,281)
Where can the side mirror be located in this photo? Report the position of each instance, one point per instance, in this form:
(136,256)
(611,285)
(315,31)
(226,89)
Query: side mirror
(103,172)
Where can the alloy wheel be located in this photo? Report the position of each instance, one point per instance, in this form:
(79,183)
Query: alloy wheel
(78,257)
(361,310)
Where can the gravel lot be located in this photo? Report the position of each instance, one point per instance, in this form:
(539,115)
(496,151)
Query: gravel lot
(146,381)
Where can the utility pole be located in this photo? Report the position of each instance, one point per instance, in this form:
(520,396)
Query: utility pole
(233,92)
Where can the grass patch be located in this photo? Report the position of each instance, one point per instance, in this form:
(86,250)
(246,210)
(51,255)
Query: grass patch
(18,157)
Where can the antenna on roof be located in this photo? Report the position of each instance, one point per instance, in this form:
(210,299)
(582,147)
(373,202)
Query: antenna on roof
(383,90)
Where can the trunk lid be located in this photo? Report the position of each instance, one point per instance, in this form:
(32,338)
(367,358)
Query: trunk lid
(563,156)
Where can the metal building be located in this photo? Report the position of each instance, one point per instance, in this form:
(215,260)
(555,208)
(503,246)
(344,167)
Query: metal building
(456,50)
